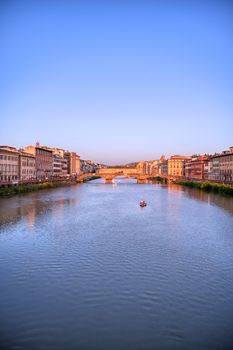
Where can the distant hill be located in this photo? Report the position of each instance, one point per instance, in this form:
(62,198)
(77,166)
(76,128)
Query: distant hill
(129,165)
(132,165)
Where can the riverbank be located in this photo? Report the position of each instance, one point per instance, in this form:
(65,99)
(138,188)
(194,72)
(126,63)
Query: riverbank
(207,186)
(159,179)
(17,189)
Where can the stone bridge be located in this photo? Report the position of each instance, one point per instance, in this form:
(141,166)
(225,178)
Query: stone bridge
(110,173)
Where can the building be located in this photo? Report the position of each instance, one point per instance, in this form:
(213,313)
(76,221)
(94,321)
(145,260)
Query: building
(9,164)
(226,166)
(64,167)
(163,167)
(73,163)
(214,168)
(197,168)
(27,166)
(88,166)
(176,165)
(77,164)
(44,161)
(148,167)
(141,167)
(221,166)
(154,167)
(57,165)
(59,161)
(55,150)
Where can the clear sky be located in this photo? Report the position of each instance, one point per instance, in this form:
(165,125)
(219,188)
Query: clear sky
(117,81)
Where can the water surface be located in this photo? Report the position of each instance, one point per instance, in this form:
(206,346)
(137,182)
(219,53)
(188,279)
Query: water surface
(84,267)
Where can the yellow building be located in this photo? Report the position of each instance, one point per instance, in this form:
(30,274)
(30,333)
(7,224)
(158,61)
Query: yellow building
(176,165)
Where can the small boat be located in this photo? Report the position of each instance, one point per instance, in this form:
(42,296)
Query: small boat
(143,204)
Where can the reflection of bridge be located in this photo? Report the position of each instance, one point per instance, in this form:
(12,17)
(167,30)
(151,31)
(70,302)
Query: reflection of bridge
(110,173)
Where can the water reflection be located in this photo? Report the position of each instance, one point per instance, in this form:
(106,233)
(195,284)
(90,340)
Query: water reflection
(222,201)
(32,206)
(87,268)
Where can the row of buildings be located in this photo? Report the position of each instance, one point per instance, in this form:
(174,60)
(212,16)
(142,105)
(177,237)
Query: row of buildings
(217,167)
(88,166)
(43,162)
(37,163)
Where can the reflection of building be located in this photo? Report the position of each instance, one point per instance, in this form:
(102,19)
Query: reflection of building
(9,160)
(27,166)
(31,216)
(176,165)
(44,161)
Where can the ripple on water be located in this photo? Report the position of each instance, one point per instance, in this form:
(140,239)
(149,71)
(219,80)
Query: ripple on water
(86,268)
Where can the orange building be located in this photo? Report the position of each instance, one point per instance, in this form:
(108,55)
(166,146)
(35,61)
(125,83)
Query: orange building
(197,168)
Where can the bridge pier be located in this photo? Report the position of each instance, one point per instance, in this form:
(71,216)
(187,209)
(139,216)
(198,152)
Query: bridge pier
(141,179)
(108,180)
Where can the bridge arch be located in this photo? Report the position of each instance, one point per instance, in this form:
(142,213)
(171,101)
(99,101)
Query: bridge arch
(111,173)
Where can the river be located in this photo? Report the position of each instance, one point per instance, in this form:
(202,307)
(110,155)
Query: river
(84,267)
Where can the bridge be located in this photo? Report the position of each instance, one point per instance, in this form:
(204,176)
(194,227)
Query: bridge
(110,173)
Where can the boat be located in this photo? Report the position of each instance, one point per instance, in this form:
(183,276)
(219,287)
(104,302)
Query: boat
(142,204)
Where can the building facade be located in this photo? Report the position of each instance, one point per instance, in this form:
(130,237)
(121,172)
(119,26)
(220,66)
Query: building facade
(176,165)
(163,167)
(44,161)
(9,164)
(57,165)
(73,163)
(64,167)
(197,168)
(142,167)
(221,166)
(154,168)
(27,166)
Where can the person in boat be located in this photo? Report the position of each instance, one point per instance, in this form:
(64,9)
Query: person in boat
(142,203)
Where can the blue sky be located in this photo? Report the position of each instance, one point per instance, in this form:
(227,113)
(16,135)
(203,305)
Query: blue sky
(117,81)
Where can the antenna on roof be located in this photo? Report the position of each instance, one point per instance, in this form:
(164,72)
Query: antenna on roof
(37,144)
